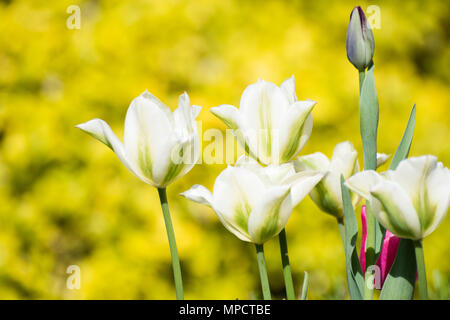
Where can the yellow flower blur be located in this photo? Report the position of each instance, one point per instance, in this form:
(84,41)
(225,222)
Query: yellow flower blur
(67,201)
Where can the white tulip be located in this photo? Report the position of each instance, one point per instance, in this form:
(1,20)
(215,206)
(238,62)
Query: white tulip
(159,146)
(410,201)
(270,123)
(255,202)
(344,161)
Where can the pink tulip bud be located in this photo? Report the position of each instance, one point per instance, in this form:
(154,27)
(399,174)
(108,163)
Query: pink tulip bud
(388,250)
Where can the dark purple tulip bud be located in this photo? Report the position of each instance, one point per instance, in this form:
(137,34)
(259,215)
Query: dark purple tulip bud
(360,42)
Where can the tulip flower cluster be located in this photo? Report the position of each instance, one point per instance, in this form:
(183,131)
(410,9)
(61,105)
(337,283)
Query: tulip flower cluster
(255,202)
(255,198)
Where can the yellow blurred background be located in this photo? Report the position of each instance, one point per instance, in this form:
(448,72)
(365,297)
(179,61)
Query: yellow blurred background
(65,199)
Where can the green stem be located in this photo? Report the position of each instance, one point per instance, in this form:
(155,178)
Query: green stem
(342,230)
(420,261)
(371,227)
(263,271)
(370,251)
(362,75)
(172,244)
(288,282)
(305,286)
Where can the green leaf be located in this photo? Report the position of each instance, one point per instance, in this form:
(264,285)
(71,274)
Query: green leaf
(400,281)
(399,284)
(305,286)
(404,146)
(355,278)
(368,113)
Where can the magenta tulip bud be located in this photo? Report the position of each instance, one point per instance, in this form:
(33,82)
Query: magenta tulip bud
(388,250)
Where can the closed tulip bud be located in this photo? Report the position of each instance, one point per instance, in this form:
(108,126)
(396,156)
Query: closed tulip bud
(255,202)
(327,193)
(159,145)
(410,201)
(360,43)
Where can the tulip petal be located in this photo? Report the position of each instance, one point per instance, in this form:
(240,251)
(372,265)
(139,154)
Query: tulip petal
(388,254)
(327,195)
(277,174)
(232,118)
(202,195)
(199,194)
(262,106)
(229,115)
(148,136)
(196,111)
(344,160)
(288,88)
(397,213)
(296,129)
(236,192)
(270,214)
(382,158)
(411,174)
(302,183)
(315,161)
(184,155)
(362,183)
(101,131)
(182,116)
(438,192)
(362,252)
(248,163)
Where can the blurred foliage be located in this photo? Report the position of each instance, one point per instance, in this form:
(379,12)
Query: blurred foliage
(65,199)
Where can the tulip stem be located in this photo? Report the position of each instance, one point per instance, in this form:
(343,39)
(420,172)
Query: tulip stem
(288,282)
(263,271)
(420,261)
(362,75)
(172,244)
(369,252)
(305,286)
(341,226)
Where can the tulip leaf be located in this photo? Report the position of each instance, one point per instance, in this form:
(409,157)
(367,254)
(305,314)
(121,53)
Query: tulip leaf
(405,143)
(399,284)
(368,113)
(355,277)
(305,285)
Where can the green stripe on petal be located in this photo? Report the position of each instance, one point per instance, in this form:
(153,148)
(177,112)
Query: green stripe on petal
(295,122)
(242,212)
(172,173)
(425,209)
(265,118)
(265,219)
(326,201)
(399,215)
(145,162)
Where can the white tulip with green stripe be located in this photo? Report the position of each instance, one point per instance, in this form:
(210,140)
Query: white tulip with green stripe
(344,161)
(255,202)
(159,146)
(411,200)
(270,124)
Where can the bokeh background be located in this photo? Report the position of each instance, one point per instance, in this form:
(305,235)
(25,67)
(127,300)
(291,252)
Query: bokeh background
(65,199)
